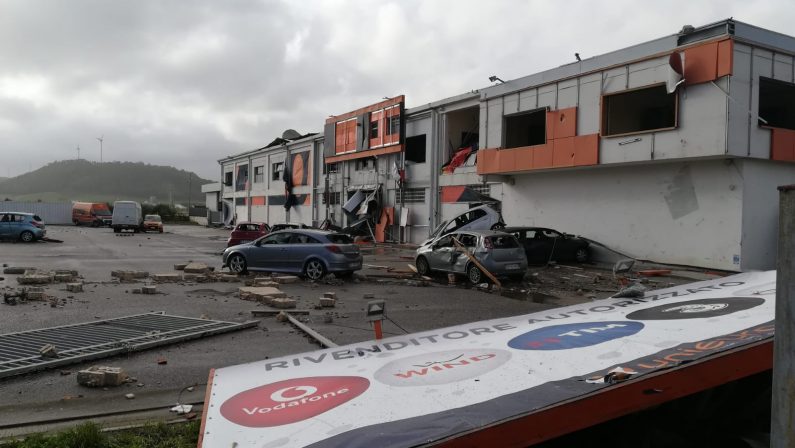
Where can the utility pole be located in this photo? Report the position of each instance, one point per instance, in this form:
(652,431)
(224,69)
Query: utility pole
(78,152)
(189,185)
(783,407)
(100,146)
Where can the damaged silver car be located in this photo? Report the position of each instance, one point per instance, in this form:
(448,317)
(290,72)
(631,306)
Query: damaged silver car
(498,252)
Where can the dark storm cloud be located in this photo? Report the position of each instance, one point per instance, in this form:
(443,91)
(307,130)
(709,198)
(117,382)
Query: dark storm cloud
(185,83)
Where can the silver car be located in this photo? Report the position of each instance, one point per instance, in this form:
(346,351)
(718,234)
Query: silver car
(312,253)
(498,252)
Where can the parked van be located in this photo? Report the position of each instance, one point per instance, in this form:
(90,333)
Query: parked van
(94,214)
(127,216)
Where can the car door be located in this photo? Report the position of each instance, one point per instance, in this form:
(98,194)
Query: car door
(439,257)
(460,258)
(558,245)
(271,252)
(302,247)
(5,225)
(537,246)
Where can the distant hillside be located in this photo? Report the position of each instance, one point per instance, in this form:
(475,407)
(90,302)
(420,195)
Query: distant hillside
(81,180)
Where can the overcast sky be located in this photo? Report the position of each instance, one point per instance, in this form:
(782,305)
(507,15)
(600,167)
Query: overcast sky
(185,83)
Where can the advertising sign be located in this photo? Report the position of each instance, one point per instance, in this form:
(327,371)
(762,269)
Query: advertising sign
(419,388)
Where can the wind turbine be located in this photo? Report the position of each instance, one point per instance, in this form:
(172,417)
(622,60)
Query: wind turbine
(100,146)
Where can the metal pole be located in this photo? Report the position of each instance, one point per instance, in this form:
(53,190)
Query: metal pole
(782,430)
(189,198)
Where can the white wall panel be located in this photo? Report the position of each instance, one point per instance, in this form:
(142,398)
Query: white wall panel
(615,80)
(760,137)
(528,100)
(782,67)
(588,111)
(647,73)
(511,104)
(631,148)
(547,96)
(740,90)
(567,94)
(494,137)
(702,125)
(682,213)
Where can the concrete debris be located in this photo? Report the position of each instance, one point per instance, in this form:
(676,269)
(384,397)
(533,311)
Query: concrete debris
(633,290)
(129,396)
(102,376)
(162,361)
(227,278)
(263,294)
(283,303)
(37,294)
(48,351)
(196,268)
(332,279)
(281,317)
(149,289)
(327,302)
(17,270)
(330,295)
(129,276)
(35,279)
(368,296)
(74,287)
(182,408)
(166,278)
(284,279)
(137,290)
(180,266)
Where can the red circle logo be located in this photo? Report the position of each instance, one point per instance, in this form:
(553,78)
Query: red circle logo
(292,400)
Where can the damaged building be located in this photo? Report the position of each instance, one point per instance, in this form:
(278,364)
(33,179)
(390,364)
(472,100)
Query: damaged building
(669,150)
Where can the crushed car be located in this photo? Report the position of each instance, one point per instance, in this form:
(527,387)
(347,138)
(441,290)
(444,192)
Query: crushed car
(542,245)
(483,217)
(498,252)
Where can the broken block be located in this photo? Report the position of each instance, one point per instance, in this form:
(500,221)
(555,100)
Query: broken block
(16,270)
(283,279)
(48,351)
(283,303)
(101,376)
(180,266)
(63,278)
(129,276)
(71,272)
(196,268)
(35,279)
(149,289)
(330,295)
(35,294)
(265,282)
(264,294)
(228,278)
(74,287)
(327,302)
(166,278)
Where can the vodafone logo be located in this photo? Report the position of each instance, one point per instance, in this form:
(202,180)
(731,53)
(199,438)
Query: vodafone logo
(441,367)
(291,401)
(697,308)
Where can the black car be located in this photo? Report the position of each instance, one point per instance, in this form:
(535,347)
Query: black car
(542,245)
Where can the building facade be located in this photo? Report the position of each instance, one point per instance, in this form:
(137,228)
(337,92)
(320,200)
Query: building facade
(670,150)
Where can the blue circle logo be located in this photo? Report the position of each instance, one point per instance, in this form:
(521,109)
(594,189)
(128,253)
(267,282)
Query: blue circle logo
(583,334)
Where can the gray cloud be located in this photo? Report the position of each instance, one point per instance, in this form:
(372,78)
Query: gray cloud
(186,83)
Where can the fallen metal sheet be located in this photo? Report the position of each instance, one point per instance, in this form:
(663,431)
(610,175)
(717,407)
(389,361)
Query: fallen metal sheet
(19,352)
(515,381)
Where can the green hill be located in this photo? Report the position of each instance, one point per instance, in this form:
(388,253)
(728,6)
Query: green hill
(81,180)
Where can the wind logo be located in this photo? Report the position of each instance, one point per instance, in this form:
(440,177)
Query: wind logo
(568,336)
(441,367)
(291,400)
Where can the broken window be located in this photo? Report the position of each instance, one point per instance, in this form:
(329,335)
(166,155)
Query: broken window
(228,179)
(329,168)
(526,129)
(641,110)
(776,103)
(276,170)
(393,125)
(415,149)
(366,163)
(259,174)
(374,129)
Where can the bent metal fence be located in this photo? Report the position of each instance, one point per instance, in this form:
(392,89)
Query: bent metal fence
(20,352)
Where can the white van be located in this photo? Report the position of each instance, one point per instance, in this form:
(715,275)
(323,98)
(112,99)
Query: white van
(127,216)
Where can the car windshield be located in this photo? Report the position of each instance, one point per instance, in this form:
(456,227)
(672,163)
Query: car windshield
(438,229)
(339,238)
(155,218)
(37,218)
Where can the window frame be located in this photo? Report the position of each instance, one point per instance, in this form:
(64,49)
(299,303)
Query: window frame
(505,118)
(259,174)
(759,115)
(603,115)
(277,168)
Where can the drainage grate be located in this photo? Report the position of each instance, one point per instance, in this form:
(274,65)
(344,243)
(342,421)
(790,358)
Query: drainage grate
(19,352)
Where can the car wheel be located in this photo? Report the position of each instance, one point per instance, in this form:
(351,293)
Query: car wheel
(314,269)
(237,264)
(498,226)
(474,275)
(161,230)
(27,236)
(116,230)
(76,222)
(581,255)
(422,266)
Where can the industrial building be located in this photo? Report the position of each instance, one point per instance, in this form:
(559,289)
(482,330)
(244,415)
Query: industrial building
(669,150)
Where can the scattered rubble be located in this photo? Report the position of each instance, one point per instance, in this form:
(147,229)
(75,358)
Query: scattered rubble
(166,278)
(48,351)
(129,276)
(196,268)
(74,287)
(149,289)
(180,266)
(262,294)
(285,279)
(17,270)
(35,278)
(283,303)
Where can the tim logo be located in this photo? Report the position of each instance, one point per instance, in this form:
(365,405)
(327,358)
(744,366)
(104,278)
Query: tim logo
(583,334)
(291,400)
(441,367)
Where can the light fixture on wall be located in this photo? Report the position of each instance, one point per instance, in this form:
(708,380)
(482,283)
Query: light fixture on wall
(495,78)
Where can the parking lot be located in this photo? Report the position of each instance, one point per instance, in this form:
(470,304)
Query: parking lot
(412,305)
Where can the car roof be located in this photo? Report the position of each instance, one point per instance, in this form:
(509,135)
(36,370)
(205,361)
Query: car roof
(19,213)
(251,222)
(307,232)
(480,232)
(513,229)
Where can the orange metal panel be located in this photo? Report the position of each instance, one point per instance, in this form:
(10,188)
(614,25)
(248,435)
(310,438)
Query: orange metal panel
(524,158)
(586,150)
(701,63)
(507,160)
(566,123)
(484,159)
(782,145)
(370,108)
(725,57)
(542,156)
(552,117)
(451,194)
(369,153)
(626,398)
(563,152)
(258,200)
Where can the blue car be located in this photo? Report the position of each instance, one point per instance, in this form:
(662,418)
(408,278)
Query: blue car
(26,227)
(308,252)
